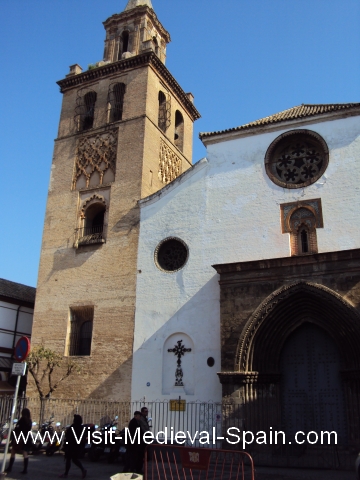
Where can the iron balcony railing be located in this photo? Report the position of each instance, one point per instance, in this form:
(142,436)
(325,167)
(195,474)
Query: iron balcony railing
(90,235)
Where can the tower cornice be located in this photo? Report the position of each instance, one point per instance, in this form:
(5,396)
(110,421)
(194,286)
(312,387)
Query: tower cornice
(144,59)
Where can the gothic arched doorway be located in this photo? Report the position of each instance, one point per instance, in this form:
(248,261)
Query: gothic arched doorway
(311,388)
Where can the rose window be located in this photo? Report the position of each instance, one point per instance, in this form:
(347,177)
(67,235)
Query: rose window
(296,159)
(171,254)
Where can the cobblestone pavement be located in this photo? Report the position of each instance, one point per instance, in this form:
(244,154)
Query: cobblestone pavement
(42,467)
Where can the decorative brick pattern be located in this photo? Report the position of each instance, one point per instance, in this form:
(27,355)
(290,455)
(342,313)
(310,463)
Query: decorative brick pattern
(95,154)
(169,164)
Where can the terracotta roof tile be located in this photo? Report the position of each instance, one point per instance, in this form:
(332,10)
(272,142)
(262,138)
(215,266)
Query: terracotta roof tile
(301,111)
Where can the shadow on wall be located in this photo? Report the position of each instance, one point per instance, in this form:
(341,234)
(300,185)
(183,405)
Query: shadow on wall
(155,365)
(128,222)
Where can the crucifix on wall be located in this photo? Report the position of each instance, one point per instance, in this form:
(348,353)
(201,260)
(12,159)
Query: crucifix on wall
(179,351)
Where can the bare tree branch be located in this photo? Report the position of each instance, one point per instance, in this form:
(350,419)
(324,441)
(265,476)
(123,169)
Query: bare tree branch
(44,363)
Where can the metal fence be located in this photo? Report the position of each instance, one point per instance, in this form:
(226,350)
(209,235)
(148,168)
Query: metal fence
(187,463)
(192,418)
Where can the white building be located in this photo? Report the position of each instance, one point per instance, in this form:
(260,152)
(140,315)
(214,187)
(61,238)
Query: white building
(16,318)
(277,195)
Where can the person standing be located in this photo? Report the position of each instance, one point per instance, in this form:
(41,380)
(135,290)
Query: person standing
(144,427)
(133,461)
(21,443)
(144,424)
(73,446)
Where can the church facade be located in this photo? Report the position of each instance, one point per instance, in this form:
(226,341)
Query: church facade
(251,260)
(236,279)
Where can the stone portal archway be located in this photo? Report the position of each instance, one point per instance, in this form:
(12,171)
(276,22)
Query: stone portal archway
(264,334)
(262,305)
(262,384)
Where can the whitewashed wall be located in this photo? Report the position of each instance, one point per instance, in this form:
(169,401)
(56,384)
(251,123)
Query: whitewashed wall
(227,210)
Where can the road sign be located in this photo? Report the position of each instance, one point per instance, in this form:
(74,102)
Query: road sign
(22,349)
(18,368)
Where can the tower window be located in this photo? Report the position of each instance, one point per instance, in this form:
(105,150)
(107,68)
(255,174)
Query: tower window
(164,112)
(116,101)
(81,326)
(85,109)
(124,45)
(92,230)
(179,130)
(89,110)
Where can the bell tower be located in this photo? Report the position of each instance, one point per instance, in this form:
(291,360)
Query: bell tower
(125,131)
(134,31)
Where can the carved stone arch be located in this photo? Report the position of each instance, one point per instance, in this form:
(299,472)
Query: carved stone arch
(287,308)
(298,207)
(127,28)
(90,201)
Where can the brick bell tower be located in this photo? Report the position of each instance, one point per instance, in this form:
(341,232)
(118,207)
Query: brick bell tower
(125,131)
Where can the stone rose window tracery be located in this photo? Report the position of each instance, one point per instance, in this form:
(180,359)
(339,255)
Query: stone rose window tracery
(171,255)
(296,159)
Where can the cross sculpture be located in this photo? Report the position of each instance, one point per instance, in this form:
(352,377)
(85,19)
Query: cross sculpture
(179,350)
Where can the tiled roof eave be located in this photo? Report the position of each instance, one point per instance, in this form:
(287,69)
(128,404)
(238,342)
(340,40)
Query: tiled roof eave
(278,123)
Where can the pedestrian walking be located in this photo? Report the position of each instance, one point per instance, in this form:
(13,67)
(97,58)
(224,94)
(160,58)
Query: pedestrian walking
(73,446)
(21,443)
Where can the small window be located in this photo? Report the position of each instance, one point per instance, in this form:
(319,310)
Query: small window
(171,255)
(303,232)
(116,101)
(164,112)
(304,241)
(179,130)
(81,326)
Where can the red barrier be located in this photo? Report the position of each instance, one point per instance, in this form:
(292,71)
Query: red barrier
(167,462)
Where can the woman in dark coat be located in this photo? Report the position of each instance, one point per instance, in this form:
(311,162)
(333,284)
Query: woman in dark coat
(73,446)
(21,443)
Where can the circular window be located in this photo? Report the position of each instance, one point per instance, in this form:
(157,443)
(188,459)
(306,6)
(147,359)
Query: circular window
(211,361)
(296,159)
(171,254)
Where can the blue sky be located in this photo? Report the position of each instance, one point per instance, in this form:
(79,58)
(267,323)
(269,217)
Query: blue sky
(241,59)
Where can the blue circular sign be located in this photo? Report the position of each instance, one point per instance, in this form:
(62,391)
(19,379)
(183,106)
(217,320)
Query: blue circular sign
(22,349)
(148,384)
